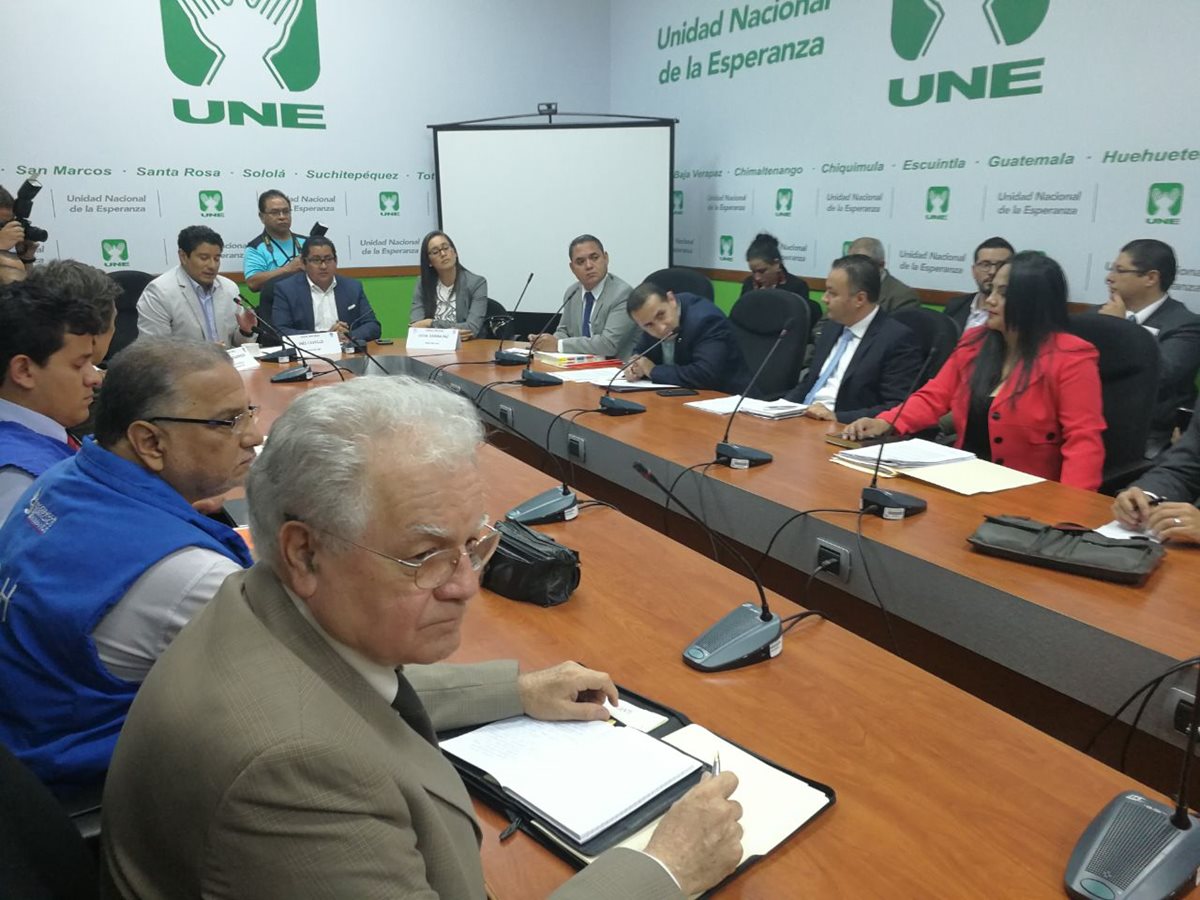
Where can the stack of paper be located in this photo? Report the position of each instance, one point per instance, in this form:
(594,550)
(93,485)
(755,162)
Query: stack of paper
(571,360)
(763,409)
(911,454)
(582,776)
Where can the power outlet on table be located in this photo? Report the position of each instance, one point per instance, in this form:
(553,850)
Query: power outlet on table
(834,559)
(506,416)
(1179,709)
(576,448)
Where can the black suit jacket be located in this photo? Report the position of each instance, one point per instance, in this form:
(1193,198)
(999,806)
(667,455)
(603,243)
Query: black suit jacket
(1177,475)
(293,309)
(1179,359)
(881,372)
(959,309)
(707,356)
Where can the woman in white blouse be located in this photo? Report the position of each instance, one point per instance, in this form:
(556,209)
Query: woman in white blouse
(447,295)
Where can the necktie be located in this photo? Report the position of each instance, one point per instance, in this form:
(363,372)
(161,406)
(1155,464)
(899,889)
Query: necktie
(832,364)
(411,710)
(589,300)
(73,442)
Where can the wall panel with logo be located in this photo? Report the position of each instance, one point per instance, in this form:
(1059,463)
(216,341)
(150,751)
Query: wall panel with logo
(1061,125)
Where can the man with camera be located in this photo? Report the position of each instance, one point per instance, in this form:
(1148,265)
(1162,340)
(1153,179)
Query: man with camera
(17,235)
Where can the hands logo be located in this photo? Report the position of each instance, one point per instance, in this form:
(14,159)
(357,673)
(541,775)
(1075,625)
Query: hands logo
(937,203)
(783,202)
(212,204)
(203,38)
(677,202)
(389,203)
(115,252)
(1164,203)
(915,23)
(726,247)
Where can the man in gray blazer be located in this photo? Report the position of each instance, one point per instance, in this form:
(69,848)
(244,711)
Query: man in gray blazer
(285,744)
(192,301)
(894,294)
(1138,284)
(1164,499)
(594,318)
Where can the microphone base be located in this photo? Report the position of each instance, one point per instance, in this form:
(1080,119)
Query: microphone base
(615,406)
(530,378)
(891,504)
(554,505)
(738,456)
(287,354)
(510,358)
(1134,840)
(296,373)
(741,638)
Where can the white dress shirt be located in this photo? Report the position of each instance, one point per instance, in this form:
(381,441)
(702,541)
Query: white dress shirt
(324,306)
(1147,311)
(828,394)
(978,314)
(14,481)
(446,308)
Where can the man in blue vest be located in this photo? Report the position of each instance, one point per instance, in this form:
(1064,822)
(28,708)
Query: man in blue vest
(47,341)
(104,558)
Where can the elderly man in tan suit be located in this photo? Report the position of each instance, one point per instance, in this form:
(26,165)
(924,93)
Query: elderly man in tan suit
(284,746)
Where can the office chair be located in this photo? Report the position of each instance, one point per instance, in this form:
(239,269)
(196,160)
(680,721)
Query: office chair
(757,318)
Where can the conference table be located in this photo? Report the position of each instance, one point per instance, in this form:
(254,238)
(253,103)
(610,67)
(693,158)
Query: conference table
(938,793)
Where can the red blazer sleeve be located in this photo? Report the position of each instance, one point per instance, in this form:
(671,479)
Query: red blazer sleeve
(1081,416)
(925,407)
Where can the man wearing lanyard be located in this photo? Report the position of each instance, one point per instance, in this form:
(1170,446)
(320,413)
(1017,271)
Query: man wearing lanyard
(276,251)
(192,300)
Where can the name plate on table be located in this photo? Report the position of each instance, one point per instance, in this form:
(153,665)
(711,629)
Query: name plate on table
(432,339)
(319,343)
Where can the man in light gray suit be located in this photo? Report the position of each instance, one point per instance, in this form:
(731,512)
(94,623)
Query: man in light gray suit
(192,301)
(594,318)
(285,744)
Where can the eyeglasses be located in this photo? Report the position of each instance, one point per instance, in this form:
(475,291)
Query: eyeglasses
(441,251)
(278,213)
(238,424)
(320,260)
(1122,270)
(433,569)
(989,265)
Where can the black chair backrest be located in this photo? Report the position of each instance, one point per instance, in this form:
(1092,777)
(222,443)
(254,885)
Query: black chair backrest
(1128,381)
(41,852)
(757,318)
(131,283)
(266,308)
(498,325)
(680,280)
(933,330)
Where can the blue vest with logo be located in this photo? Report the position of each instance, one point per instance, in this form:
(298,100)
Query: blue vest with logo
(25,449)
(77,540)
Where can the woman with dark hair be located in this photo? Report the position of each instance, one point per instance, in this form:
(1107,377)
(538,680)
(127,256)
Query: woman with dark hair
(447,295)
(1022,391)
(767,269)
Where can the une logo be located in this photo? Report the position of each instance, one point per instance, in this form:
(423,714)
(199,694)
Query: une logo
(937,203)
(677,202)
(389,203)
(783,202)
(115,253)
(915,24)
(256,46)
(212,204)
(726,246)
(1164,203)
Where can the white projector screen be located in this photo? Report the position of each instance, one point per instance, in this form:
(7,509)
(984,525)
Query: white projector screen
(513,198)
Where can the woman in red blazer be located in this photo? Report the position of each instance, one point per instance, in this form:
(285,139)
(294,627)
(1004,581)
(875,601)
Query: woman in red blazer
(1022,392)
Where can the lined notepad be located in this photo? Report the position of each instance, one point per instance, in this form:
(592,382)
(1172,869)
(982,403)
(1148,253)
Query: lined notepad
(583,777)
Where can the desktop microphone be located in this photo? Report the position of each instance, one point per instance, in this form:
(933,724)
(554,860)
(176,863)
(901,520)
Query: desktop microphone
(509,357)
(295,373)
(894,504)
(530,378)
(747,635)
(739,456)
(355,345)
(615,406)
(557,504)
(1138,848)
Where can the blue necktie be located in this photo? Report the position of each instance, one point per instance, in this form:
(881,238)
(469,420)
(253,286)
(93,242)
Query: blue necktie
(589,300)
(831,366)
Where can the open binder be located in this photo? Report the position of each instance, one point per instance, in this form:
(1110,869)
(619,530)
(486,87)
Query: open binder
(767,823)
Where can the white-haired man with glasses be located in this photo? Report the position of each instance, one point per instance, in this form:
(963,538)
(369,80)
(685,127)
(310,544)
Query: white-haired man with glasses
(105,557)
(285,745)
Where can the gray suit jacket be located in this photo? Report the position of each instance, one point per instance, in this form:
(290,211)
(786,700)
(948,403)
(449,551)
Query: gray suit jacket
(256,763)
(894,294)
(168,307)
(613,329)
(470,299)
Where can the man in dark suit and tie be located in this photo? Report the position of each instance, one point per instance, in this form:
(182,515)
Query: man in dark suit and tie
(1164,499)
(703,353)
(864,361)
(968,311)
(318,300)
(1138,282)
(594,318)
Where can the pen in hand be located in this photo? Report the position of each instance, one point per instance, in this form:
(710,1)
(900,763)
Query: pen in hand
(716,765)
